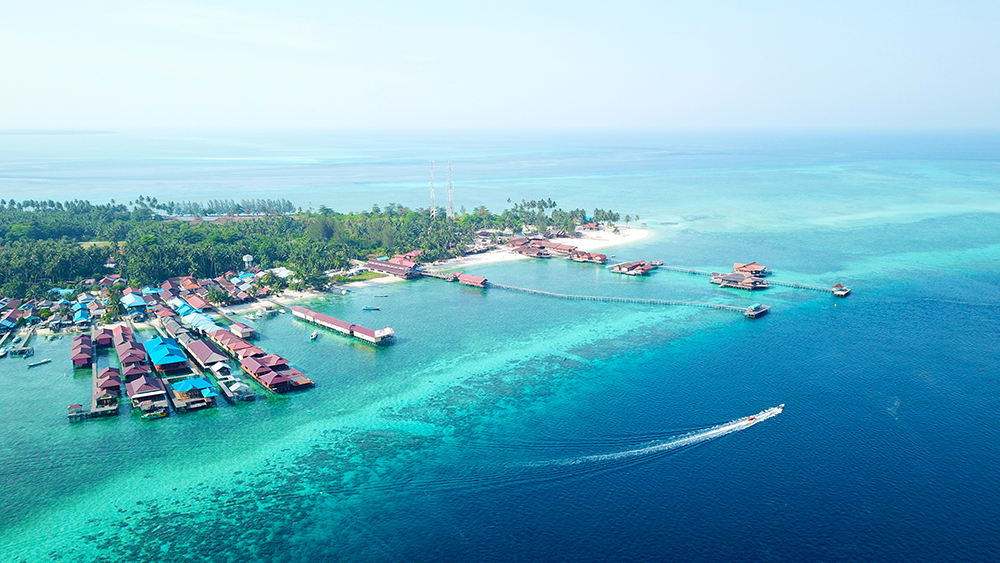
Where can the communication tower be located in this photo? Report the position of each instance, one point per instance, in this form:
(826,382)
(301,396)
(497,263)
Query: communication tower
(451,195)
(433,208)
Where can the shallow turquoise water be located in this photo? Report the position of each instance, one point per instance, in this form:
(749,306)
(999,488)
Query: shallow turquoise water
(446,444)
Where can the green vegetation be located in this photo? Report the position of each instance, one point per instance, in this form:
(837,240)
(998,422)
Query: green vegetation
(45,243)
(358,277)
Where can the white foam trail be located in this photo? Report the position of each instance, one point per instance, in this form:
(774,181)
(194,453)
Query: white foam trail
(680,441)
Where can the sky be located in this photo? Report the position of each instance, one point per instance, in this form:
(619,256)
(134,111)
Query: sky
(109,64)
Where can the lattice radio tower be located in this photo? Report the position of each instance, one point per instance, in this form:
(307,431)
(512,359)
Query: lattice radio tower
(433,208)
(451,195)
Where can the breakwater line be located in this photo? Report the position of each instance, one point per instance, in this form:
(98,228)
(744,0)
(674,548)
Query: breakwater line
(631,300)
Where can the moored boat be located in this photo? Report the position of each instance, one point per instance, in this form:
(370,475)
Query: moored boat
(157,413)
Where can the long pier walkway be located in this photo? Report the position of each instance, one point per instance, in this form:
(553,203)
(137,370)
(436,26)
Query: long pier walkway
(769,281)
(633,300)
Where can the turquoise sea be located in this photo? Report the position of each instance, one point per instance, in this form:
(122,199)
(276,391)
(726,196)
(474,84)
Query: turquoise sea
(509,427)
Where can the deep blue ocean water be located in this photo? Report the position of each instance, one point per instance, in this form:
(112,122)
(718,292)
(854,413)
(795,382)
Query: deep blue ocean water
(471,437)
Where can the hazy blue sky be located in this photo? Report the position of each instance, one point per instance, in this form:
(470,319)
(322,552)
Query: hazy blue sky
(128,64)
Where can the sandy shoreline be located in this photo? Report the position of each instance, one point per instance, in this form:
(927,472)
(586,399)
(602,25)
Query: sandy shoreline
(589,242)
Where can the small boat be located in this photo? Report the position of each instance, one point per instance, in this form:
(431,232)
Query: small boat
(40,362)
(158,413)
(3,352)
(381,296)
(314,335)
(343,292)
(369,308)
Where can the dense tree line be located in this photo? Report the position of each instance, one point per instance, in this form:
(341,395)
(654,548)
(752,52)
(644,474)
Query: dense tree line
(44,243)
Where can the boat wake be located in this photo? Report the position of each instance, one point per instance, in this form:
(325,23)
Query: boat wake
(466,475)
(684,440)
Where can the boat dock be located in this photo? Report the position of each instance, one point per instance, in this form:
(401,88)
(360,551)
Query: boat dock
(746,311)
(21,351)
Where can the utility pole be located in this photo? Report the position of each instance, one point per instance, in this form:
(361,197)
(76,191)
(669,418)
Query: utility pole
(451,195)
(433,208)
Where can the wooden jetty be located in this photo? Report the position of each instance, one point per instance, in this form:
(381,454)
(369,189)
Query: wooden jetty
(21,351)
(446,276)
(632,300)
(838,290)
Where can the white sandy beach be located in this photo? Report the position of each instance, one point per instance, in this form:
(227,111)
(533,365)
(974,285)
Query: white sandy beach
(588,242)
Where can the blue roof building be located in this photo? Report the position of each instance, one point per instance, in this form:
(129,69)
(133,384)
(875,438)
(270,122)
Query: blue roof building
(203,385)
(133,301)
(201,322)
(82,316)
(182,307)
(165,354)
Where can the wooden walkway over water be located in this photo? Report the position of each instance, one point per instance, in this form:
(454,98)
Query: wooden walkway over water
(769,281)
(631,300)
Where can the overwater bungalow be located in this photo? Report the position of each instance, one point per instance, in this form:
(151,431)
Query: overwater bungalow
(243,331)
(265,375)
(739,281)
(192,394)
(840,290)
(103,337)
(380,336)
(474,281)
(580,256)
(532,252)
(166,355)
(107,388)
(205,353)
(135,371)
(752,269)
(81,351)
(640,268)
(146,388)
(281,366)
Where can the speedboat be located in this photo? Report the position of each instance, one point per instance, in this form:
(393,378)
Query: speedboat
(314,335)
(751,418)
(369,308)
(3,352)
(158,413)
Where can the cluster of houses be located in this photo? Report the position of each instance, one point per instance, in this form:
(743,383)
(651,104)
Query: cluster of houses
(270,370)
(143,390)
(139,304)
